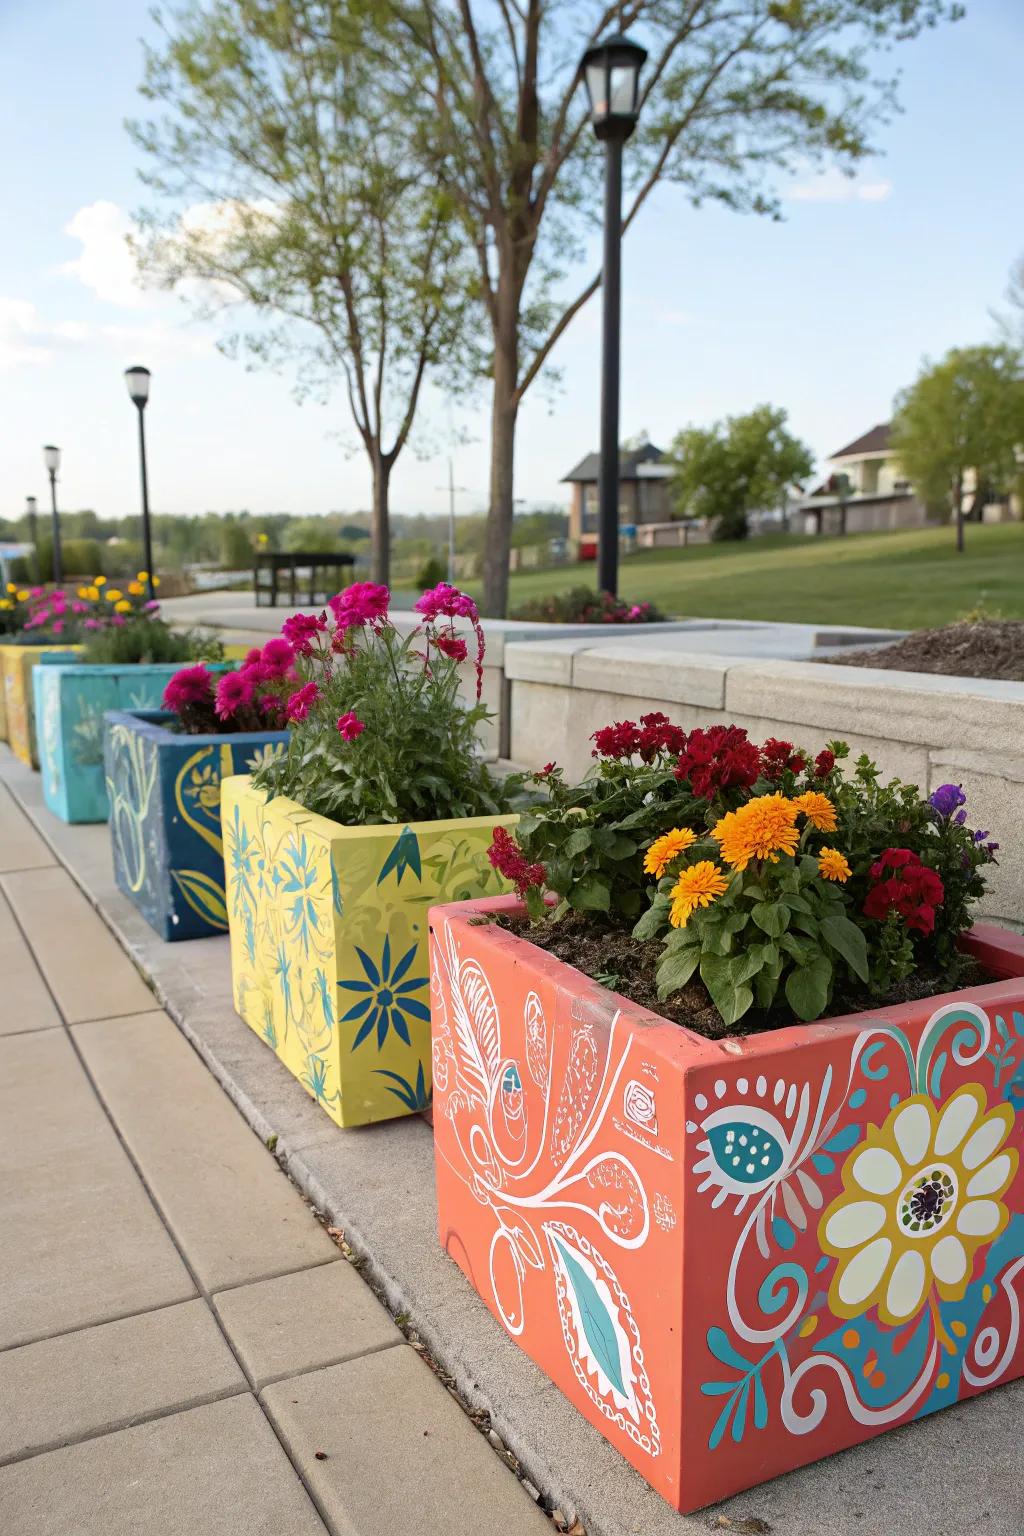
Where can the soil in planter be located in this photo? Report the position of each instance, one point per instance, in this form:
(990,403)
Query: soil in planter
(978,648)
(613,957)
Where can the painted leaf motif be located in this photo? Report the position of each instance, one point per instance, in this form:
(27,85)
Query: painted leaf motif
(476,1025)
(405,854)
(536,1031)
(203,894)
(598,1324)
(521,1235)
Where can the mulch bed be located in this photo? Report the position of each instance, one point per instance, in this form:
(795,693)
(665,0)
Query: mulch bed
(977,648)
(626,965)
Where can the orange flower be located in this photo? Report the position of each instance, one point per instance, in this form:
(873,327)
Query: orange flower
(761,829)
(665,848)
(696,887)
(832,865)
(818,809)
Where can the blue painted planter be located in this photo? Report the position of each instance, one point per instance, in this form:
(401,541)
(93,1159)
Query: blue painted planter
(164,793)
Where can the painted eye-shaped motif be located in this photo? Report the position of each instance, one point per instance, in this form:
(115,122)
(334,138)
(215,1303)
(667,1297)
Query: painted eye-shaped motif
(745,1148)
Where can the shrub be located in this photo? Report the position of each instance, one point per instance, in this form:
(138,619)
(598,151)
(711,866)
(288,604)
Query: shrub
(431,573)
(148,639)
(772,875)
(582,605)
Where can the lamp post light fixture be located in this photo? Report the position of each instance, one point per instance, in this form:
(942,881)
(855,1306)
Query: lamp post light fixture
(611,74)
(137,380)
(51,459)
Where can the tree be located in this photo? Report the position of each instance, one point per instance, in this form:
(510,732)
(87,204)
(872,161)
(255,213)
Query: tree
(313,207)
(733,91)
(236,547)
(963,416)
(740,465)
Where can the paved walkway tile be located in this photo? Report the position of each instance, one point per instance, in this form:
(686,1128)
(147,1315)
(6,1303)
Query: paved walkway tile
(400,1455)
(21,847)
(80,1242)
(213,1471)
(298,1322)
(104,1378)
(24,1001)
(89,973)
(227,1202)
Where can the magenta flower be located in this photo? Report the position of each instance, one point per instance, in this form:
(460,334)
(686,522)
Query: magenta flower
(233,690)
(350,726)
(364,602)
(446,601)
(192,685)
(301,702)
(302,629)
(117,618)
(452,646)
(57,626)
(277,658)
(93,624)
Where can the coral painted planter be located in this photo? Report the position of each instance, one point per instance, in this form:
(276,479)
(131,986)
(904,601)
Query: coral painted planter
(16,664)
(165,817)
(70,702)
(329,943)
(733,1258)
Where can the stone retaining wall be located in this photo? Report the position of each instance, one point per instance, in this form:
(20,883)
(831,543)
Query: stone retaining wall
(925,729)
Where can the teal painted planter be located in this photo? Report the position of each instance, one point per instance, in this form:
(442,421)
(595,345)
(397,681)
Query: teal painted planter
(70,702)
(164,793)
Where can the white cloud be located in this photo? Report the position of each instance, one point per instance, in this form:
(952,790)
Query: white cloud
(28,341)
(24,339)
(105,263)
(832,186)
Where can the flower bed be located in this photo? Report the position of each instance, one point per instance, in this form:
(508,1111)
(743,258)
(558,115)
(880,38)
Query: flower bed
(821,1219)
(334,851)
(164,792)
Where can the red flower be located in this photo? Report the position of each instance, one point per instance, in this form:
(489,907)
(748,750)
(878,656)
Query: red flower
(452,646)
(659,735)
(720,757)
(777,755)
(506,856)
(350,726)
(619,740)
(912,889)
(824,763)
(302,700)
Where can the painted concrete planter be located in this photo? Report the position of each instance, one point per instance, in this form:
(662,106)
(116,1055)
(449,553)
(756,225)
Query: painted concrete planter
(329,943)
(737,1257)
(165,816)
(70,702)
(16,664)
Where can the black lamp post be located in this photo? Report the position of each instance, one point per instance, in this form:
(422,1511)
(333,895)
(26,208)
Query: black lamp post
(611,73)
(137,379)
(33,533)
(51,458)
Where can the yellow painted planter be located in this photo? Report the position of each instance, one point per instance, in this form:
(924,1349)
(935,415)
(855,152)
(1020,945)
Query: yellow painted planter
(16,664)
(329,955)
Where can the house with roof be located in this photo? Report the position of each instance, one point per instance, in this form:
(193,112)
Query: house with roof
(865,490)
(644,500)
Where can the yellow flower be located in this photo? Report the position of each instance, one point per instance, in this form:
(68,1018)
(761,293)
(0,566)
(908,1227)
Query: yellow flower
(83,591)
(99,581)
(113,595)
(123,606)
(23,594)
(12,586)
(665,848)
(761,829)
(93,594)
(141,576)
(696,887)
(920,1196)
(156,581)
(832,865)
(818,809)
(5,602)
(135,587)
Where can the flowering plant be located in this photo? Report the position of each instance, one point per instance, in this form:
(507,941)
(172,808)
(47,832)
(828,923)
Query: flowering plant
(582,605)
(379,731)
(51,613)
(775,874)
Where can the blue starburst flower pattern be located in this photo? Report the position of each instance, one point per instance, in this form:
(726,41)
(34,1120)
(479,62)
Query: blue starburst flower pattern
(385,998)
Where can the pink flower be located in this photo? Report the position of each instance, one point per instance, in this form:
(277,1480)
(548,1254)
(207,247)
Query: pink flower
(233,690)
(302,629)
(447,601)
(77,607)
(152,606)
(301,702)
(452,646)
(57,626)
(192,685)
(117,618)
(363,602)
(277,658)
(93,624)
(253,657)
(350,726)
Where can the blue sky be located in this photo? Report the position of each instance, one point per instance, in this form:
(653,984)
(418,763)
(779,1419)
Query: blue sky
(826,314)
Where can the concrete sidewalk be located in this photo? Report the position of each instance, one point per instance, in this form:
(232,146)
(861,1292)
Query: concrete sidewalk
(184,1350)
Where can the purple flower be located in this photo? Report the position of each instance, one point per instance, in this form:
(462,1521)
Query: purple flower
(979,836)
(946,799)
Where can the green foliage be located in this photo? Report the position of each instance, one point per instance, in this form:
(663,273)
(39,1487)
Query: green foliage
(146,639)
(79,557)
(431,572)
(741,465)
(964,414)
(582,605)
(236,548)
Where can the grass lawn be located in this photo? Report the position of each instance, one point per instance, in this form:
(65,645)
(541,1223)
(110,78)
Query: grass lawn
(910,580)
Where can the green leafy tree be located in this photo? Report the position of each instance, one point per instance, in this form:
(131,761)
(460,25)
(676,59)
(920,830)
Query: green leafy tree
(734,91)
(740,465)
(962,418)
(235,546)
(288,178)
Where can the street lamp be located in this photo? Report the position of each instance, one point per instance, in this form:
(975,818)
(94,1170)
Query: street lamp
(611,73)
(137,379)
(51,458)
(33,533)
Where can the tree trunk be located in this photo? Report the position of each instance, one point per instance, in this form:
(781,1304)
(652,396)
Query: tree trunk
(504,410)
(958,512)
(380,534)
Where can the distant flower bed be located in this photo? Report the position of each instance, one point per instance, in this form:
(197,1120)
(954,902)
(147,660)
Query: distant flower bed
(698,867)
(582,605)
